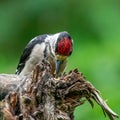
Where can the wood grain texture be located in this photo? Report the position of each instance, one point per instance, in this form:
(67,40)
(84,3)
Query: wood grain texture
(40,96)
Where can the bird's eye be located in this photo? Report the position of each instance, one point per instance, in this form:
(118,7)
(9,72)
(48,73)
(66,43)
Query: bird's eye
(70,52)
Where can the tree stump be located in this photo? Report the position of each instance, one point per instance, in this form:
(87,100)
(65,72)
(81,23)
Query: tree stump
(40,96)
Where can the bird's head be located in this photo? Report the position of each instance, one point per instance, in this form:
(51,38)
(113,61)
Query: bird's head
(63,49)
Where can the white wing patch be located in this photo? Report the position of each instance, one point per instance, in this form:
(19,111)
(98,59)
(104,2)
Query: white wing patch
(36,57)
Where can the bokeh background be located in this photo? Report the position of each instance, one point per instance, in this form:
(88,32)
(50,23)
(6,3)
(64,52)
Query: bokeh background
(93,24)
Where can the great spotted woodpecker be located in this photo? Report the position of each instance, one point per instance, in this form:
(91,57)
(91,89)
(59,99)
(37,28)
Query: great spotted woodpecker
(56,48)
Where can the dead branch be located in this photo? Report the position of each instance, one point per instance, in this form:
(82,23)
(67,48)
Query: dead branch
(40,96)
(8,82)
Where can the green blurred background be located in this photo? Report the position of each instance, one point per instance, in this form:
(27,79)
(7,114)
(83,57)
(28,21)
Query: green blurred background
(95,28)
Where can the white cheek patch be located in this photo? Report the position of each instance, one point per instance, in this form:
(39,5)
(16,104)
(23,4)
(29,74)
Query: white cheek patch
(52,41)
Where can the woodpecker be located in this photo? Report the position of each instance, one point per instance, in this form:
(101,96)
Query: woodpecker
(55,48)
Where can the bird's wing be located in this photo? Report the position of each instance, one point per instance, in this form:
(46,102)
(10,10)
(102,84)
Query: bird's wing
(27,51)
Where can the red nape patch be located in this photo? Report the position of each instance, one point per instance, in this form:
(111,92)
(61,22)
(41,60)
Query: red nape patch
(64,47)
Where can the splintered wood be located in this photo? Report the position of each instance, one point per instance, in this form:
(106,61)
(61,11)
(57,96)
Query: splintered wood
(40,96)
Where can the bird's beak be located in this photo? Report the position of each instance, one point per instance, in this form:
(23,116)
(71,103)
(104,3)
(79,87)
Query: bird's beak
(59,61)
(58,64)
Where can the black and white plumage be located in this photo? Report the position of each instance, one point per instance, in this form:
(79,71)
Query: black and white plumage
(54,47)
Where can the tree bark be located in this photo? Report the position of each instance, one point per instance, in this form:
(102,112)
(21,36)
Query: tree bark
(40,96)
(8,82)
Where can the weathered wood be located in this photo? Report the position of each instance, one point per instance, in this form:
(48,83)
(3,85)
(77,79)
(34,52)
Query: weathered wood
(40,96)
(8,82)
